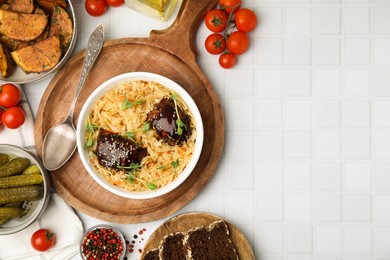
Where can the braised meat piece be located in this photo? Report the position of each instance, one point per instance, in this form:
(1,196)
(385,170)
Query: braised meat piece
(163,119)
(114,150)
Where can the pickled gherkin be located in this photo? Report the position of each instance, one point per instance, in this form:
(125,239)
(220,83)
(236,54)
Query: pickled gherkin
(4,158)
(32,169)
(15,166)
(20,180)
(7,213)
(24,193)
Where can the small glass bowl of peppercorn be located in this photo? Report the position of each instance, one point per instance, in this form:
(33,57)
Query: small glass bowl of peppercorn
(103,242)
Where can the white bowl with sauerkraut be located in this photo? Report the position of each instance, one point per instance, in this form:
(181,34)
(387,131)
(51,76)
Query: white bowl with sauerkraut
(140,135)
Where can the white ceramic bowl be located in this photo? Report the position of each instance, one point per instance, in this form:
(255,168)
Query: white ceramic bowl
(98,93)
(36,208)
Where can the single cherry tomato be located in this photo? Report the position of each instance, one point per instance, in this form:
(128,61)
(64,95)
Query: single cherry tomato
(246,20)
(13,117)
(215,43)
(115,3)
(9,96)
(96,7)
(216,20)
(238,42)
(42,240)
(229,5)
(227,60)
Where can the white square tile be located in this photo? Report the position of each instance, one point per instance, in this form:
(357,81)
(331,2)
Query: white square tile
(328,208)
(270,207)
(357,83)
(357,51)
(211,202)
(216,77)
(269,239)
(327,144)
(328,240)
(269,51)
(381,171)
(297,144)
(240,145)
(272,20)
(327,176)
(297,51)
(327,1)
(299,240)
(357,208)
(327,113)
(297,176)
(122,28)
(356,113)
(246,180)
(357,145)
(357,176)
(240,207)
(297,82)
(269,113)
(217,182)
(269,144)
(358,241)
(298,113)
(234,79)
(381,113)
(381,82)
(327,82)
(90,22)
(298,1)
(240,113)
(298,21)
(326,51)
(382,20)
(268,82)
(382,145)
(382,238)
(382,208)
(382,52)
(269,176)
(327,20)
(298,207)
(357,20)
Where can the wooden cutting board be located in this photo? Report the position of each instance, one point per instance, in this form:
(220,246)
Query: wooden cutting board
(170,53)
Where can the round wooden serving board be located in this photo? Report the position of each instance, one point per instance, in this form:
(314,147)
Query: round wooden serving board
(170,53)
(187,221)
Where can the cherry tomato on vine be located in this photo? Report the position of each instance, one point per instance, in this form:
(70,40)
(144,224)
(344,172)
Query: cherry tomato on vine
(246,20)
(228,5)
(42,240)
(95,7)
(9,96)
(227,60)
(115,3)
(13,117)
(238,42)
(215,43)
(216,20)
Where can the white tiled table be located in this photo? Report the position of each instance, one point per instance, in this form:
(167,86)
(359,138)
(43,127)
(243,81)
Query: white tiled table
(306,169)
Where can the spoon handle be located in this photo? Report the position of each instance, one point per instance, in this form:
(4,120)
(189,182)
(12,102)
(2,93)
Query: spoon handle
(95,44)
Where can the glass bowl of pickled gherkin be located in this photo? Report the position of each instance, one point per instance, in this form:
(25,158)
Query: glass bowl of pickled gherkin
(24,189)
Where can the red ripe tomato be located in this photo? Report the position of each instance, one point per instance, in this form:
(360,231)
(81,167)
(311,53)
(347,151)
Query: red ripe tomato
(216,20)
(115,3)
(13,117)
(96,7)
(9,96)
(238,42)
(215,43)
(227,60)
(246,20)
(42,240)
(229,5)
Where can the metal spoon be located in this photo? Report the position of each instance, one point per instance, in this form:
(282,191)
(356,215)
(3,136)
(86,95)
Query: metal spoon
(60,141)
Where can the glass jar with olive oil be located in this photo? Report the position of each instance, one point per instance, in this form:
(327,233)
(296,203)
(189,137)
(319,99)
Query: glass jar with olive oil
(159,9)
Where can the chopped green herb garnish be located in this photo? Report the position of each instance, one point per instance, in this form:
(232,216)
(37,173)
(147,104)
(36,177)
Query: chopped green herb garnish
(128,104)
(132,167)
(179,123)
(151,185)
(89,142)
(145,127)
(175,164)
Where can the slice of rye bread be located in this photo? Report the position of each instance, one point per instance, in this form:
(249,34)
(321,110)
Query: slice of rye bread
(172,247)
(210,243)
(152,255)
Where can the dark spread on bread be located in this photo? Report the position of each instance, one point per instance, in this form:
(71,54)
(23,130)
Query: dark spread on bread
(114,150)
(163,119)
